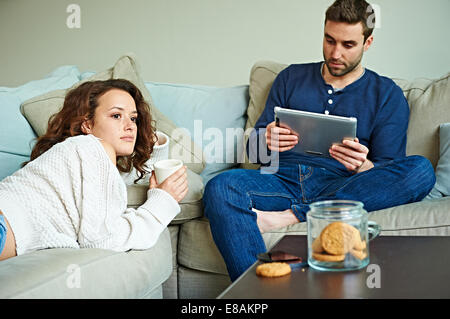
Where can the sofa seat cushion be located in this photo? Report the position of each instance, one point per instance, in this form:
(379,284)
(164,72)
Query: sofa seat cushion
(426,218)
(195,284)
(87,273)
(196,248)
(191,205)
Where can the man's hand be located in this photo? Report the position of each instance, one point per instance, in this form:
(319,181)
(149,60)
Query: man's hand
(280,139)
(352,155)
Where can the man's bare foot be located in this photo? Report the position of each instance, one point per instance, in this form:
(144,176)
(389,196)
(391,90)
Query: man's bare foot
(270,220)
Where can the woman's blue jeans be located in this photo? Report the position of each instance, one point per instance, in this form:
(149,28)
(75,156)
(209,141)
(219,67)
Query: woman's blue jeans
(2,233)
(230,197)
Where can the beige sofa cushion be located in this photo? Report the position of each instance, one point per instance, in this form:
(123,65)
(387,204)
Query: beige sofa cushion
(196,248)
(39,109)
(429,102)
(262,75)
(191,205)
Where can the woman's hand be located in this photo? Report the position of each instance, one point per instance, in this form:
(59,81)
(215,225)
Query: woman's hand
(279,139)
(176,184)
(352,155)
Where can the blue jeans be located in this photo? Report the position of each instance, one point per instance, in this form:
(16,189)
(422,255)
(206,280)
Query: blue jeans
(230,197)
(3,230)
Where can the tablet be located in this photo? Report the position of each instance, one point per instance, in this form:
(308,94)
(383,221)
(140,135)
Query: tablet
(316,131)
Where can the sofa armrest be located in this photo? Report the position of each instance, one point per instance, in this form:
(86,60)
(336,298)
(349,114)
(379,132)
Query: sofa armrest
(87,273)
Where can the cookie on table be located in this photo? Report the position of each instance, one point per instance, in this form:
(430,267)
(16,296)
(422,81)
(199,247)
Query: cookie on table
(275,269)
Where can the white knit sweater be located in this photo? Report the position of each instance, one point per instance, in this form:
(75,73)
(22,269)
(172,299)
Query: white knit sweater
(73,196)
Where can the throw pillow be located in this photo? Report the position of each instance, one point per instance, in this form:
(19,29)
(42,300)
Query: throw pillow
(214,117)
(39,109)
(442,186)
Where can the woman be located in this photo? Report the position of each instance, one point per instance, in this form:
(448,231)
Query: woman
(72,194)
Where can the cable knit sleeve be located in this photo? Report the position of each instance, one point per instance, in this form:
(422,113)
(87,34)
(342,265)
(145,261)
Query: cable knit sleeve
(160,152)
(105,220)
(140,228)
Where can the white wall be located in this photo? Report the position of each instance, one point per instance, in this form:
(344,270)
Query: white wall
(210,42)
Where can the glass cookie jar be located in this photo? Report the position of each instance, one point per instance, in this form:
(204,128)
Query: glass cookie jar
(338,235)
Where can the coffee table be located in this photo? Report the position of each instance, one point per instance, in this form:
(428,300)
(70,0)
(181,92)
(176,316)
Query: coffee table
(399,267)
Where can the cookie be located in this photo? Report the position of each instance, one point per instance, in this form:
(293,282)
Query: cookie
(275,269)
(317,245)
(326,257)
(359,244)
(360,254)
(338,238)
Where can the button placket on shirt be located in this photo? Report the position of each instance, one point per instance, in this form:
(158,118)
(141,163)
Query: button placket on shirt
(329,102)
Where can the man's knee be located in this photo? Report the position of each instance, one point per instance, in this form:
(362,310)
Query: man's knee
(225,188)
(422,166)
(226,181)
(423,174)
(216,189)
(213,186)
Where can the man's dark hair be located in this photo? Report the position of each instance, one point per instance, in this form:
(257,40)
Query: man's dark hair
(352,12)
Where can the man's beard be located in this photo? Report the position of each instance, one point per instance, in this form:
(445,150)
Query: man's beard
(347,68)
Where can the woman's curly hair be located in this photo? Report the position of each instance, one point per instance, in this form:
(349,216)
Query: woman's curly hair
(80,104)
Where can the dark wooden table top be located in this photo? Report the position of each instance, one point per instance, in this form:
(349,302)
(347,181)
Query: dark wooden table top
(399,267)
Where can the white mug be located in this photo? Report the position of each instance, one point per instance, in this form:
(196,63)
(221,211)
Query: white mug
(165,168)
(162,138)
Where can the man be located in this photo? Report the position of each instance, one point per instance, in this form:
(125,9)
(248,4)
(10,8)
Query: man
(373,168)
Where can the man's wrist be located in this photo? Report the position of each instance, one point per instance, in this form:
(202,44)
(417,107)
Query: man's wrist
(365,166)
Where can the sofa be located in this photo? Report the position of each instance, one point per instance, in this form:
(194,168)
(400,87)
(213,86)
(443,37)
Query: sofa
(207,127)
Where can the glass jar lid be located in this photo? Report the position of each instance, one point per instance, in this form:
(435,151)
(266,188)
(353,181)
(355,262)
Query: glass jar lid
(337,209)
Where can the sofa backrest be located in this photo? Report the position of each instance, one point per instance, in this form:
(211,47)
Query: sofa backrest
(429,102)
